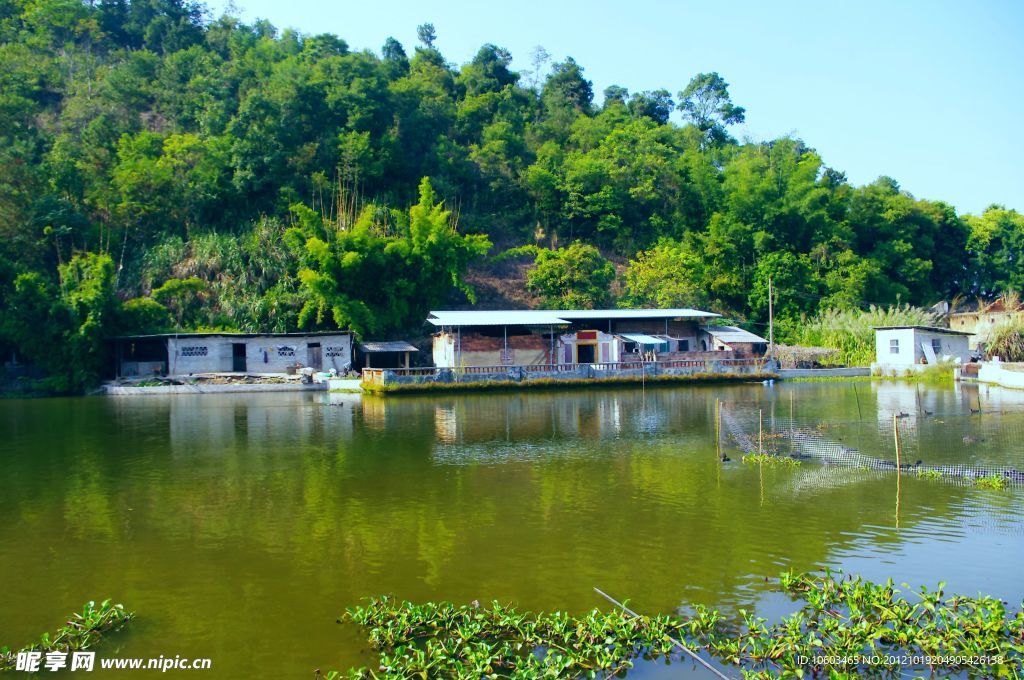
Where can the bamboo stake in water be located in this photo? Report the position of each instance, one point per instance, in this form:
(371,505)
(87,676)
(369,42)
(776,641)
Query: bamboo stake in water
(896,436)
(760,431)
(718,428)
(792,426)
(677,643)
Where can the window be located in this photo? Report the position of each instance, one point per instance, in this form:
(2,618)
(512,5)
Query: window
(684,345)
(936,346)
(194,351)
(894,346)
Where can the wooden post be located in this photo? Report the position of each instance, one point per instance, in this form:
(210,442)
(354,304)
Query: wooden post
(718,428)
(760,430)
(896,436)
(792,425)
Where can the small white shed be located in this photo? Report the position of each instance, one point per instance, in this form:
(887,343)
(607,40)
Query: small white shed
(903,346)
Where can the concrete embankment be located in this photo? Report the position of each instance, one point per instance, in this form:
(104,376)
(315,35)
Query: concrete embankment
(1002,374)
(121,390)
(853,372)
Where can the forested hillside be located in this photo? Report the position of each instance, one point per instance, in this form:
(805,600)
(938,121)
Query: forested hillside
(163,169)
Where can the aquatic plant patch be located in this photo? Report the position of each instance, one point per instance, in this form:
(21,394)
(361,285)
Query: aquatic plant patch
(771,460)
(846,627)
(81,631)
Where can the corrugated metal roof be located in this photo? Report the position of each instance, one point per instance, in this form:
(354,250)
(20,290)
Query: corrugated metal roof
(371,347)
(542,317)
(674,313)
(226,334)
(930,329)
(731,334)
(641,338)
(519,317)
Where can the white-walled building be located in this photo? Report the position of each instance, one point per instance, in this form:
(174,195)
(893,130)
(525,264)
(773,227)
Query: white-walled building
(898,347)
(180,354)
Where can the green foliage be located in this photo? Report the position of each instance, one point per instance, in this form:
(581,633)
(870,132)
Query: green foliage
(851,331)
(82,314)
(577,277)
(144,315)
(771,460)
(997,482)
(175,144)
(668,275)
(843,620)
(386,270)
(996,245)
(706,103)
(83,630)
(183,297)
(1005,340)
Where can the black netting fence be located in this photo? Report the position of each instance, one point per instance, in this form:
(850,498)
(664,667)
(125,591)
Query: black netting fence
(960,448)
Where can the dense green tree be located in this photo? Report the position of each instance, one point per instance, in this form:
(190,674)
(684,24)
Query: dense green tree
(577,277)
(996,246)
(656,105)
(706,103)
(668,275)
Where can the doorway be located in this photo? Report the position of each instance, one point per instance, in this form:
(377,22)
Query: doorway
(314,357)
(238,357)
(586,354)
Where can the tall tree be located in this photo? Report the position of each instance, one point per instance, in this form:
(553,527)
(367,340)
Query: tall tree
(706,103)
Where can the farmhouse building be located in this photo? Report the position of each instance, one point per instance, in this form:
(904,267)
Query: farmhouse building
(588,336)
(898,347)
(182,354)
(982,321)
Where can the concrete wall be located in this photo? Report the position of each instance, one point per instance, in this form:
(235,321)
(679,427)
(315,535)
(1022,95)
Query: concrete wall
(452,350)
(263,354)
(995,372)
(909,345)
(295,386)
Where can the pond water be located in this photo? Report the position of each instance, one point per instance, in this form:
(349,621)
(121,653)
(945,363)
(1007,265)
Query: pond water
(240,526)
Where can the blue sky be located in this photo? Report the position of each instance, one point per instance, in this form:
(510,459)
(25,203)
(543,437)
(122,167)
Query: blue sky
(930,93)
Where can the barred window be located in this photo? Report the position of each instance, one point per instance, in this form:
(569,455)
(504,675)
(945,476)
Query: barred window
(194,351)
(285,351)
(335,351)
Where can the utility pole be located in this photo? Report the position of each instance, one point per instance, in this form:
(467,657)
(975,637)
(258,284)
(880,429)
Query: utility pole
(771,321)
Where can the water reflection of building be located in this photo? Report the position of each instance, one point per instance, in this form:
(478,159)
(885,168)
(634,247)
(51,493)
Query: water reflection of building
(215,423)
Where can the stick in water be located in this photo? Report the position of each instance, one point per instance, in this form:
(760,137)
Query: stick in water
(678,644)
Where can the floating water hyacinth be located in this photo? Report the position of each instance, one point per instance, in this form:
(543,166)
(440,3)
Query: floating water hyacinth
(81,631)
(847,627)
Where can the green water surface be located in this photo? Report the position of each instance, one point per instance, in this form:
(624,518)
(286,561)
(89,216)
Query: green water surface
(240,526)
